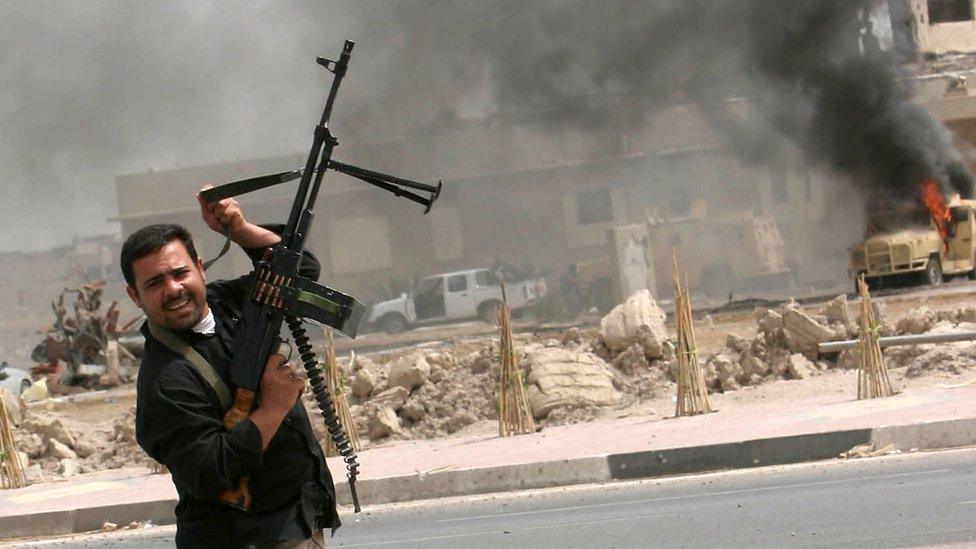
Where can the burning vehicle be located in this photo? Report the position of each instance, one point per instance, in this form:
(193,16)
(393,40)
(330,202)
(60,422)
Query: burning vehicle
(925,244)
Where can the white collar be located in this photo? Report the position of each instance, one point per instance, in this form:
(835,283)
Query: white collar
(207,326)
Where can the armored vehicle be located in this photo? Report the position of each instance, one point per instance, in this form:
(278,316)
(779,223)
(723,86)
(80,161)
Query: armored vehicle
(905,245)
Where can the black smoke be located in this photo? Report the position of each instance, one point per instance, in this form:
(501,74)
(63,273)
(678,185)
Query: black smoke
(809,72)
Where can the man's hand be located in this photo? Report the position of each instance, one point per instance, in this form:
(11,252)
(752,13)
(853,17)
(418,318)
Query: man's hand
(222,216)
(226,217)
(281,387)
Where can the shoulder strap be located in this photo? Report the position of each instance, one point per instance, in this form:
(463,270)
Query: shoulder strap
(200,364)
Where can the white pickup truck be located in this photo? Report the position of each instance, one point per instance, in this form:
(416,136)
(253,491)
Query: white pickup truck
(459,295)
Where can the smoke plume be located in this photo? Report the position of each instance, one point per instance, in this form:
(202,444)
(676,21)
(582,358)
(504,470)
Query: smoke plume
(807,70)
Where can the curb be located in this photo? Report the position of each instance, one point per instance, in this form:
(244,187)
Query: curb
(596,469)
(657,463)
(87,519)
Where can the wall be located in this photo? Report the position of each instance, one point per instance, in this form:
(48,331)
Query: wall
(941,37)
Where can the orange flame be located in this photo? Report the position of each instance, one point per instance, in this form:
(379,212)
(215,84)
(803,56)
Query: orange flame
(936,204)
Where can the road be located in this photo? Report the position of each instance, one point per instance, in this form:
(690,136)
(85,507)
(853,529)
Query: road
(895,501)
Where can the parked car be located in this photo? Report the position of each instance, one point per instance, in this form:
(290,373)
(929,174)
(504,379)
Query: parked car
(13,379)
(460,295)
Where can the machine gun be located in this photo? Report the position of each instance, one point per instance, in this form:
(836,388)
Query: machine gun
(279,295)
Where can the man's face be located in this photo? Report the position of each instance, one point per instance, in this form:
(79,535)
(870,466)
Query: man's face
(170,287)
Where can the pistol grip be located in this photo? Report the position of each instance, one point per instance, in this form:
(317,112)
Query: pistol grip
(240,497)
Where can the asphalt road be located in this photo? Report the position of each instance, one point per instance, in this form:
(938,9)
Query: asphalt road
(896,501)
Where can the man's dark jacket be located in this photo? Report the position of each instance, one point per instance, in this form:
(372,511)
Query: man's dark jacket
(179,422)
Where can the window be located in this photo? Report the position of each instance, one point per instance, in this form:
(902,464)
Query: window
(948,11)
(486,278)
(457,283)
(594,206)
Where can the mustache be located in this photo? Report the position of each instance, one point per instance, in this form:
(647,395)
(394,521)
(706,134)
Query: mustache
(180,297)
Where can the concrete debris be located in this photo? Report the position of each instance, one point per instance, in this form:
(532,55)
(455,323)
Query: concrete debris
(563,378)
(374,377)
(798,367)
(413,411)
(637,320)
(383,423)
(726,371)
(770,324)
(479,361)
(56,450)
(836,311)
(917,321)
(69,467)
(955,358)
(753,366)
(631,360)
(363,383)
(394,397)
(409,372)
(60,451)
(34,445)
(50,427)
(802,332)
(737,343)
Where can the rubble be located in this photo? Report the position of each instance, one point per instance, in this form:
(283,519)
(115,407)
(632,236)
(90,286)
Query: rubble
(61,451)
(363,384)
(394,397)
(917,321)
(955,358)
(573,375)
(802,332)
(50,427)
(409,372)
(798,367)
(562,378)
(637,320)
(55,449)
(383,423)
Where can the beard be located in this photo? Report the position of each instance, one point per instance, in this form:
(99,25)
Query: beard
(187,314)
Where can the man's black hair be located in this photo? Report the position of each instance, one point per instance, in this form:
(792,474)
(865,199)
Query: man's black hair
(149,239)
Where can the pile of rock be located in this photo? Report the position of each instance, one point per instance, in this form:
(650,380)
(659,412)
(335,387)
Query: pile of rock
(53,449)
(421,395)
(944,358)
(785,346)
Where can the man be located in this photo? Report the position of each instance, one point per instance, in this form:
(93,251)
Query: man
(179,414)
